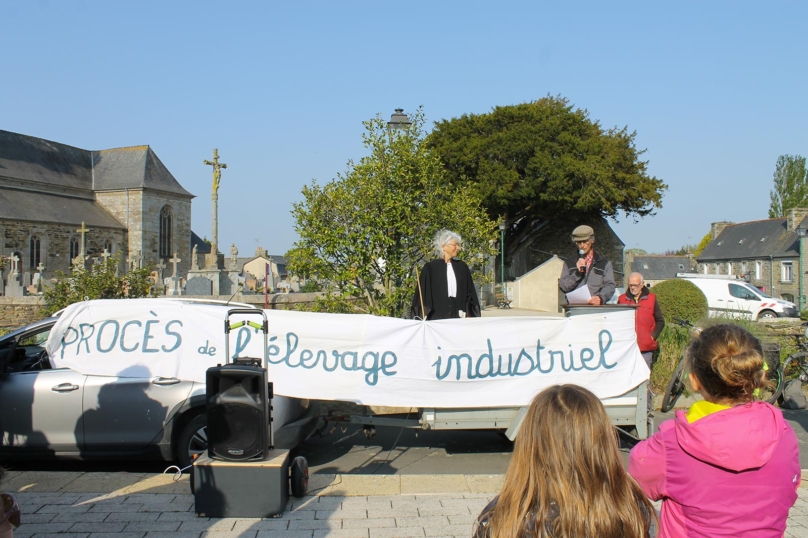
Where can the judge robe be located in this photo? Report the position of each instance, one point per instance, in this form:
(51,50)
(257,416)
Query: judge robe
(435,291)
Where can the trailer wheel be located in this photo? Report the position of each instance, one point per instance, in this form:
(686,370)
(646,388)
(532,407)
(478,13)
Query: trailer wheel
(299,476)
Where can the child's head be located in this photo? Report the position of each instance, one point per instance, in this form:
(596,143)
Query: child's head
(568,428)
(727,362)
(566,472)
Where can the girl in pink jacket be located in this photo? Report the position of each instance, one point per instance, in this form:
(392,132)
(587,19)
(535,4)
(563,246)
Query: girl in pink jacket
(730,466)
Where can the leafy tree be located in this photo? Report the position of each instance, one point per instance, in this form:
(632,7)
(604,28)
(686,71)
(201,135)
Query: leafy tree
(703,244)
(545,158)
(790,185)
(365,234)
(101,281)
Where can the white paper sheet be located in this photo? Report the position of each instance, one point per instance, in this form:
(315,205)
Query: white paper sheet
(579,296)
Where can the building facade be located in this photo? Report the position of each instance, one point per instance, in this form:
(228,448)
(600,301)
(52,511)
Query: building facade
(57,200)
(765,253)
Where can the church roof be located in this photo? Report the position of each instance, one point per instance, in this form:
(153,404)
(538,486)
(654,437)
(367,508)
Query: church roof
(51,208)
(132,168)
(34,159)
(29,158)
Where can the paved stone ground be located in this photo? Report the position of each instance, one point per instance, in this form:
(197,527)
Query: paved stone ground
(158,515)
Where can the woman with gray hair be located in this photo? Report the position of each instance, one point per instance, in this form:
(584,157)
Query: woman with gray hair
(445,288)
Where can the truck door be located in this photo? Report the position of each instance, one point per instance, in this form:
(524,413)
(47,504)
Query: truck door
(744,303)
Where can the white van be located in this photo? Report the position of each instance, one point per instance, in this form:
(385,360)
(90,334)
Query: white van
(735,298)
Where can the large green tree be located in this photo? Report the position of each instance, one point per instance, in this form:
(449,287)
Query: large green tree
(790,185)
(365,234)
(546,158)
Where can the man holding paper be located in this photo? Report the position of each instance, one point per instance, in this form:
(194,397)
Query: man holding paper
(590,279)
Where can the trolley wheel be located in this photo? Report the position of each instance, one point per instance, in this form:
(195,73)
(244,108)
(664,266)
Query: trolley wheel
(776,375)
(299,476)
(676,387)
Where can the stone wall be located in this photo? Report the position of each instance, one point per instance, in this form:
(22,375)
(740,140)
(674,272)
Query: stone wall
(16,312)
(54,243)
(140,210)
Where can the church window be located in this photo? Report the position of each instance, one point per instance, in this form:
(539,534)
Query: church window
(108,245)
(166,218)
(74,248)
(36,252)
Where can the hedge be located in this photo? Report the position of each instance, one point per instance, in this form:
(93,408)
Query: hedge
(679,298)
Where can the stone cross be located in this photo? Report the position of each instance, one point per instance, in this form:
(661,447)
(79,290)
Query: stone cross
(160,267)
(83,231)
(217,176)
(105,255)
(135,259)
(15,260)
(175,278)
(174,261)
(40,268)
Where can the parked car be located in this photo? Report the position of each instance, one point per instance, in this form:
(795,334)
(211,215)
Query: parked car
(63,413)
(735,298)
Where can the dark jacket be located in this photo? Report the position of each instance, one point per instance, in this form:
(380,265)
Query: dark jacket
(649,321)
(599,278)
(435,291)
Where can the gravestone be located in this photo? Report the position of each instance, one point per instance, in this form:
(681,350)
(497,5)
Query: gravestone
(14,287)
(199,285)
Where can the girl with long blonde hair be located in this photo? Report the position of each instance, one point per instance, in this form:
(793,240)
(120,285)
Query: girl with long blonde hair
(565,479)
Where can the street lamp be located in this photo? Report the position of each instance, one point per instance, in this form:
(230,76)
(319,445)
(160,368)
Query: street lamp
(802,230)
(398,120)
(502,255)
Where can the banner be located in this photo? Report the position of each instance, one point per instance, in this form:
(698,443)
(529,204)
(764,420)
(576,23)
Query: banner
(477,362)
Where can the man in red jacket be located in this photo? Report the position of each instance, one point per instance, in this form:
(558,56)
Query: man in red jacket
(649,321)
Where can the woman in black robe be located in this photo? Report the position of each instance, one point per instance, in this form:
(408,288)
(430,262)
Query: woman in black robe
(446,288)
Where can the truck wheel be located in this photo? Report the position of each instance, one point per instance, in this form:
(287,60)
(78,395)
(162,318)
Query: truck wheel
(767,314)
(299,478)
(193,440)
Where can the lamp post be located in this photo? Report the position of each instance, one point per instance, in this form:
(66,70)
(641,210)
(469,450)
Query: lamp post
(502,255)
(398,121)
(802,231)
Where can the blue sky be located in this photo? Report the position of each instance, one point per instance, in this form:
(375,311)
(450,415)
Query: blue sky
(716,91)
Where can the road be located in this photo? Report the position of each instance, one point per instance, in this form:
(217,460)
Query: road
(344,449)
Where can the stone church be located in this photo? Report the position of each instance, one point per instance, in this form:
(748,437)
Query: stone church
(130,204)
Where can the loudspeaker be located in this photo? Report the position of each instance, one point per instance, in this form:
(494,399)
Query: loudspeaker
(238,412)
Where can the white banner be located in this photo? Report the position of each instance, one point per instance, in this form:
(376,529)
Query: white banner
(479,362)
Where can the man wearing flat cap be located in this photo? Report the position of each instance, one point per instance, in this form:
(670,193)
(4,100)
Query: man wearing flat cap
(588,268)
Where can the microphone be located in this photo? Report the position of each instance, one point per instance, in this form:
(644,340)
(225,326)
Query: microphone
(581,257)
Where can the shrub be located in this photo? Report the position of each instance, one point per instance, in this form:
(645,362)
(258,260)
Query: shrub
(804,315)
(100,281)
(672,342)
(680,299)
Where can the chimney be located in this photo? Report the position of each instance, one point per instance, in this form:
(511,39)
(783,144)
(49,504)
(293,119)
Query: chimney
(794,218)
(717,227)
(261,253)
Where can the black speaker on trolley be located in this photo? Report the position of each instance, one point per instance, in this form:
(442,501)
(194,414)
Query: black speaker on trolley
(238,412)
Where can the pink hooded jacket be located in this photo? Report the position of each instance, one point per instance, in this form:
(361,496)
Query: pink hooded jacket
(731,473)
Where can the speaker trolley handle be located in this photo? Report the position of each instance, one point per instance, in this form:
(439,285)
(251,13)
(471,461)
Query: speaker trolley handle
(264,327)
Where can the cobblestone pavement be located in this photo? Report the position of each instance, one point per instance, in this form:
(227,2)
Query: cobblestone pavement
(86,515)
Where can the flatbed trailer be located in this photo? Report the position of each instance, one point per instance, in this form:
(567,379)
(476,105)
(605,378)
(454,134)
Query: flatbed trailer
(626,410)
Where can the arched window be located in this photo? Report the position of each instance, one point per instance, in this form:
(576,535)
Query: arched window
(74,248)
(166,218)
(108,245)
(35,252)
